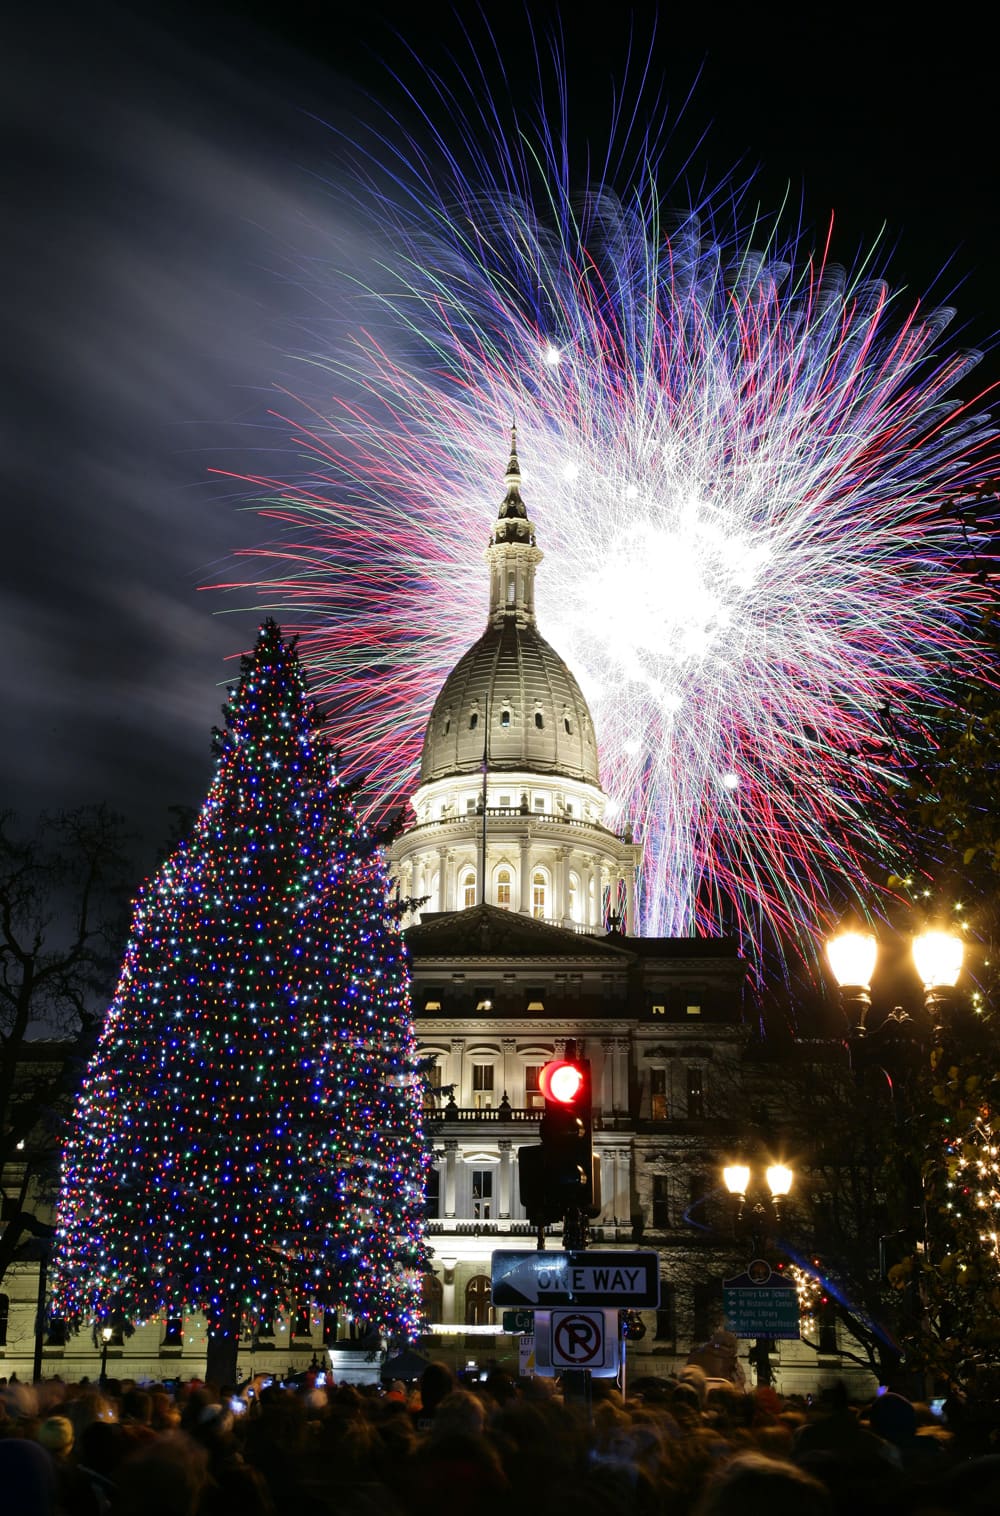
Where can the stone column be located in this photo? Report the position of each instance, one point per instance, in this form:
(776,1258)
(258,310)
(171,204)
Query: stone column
(450,1176)
(441,903)
(458,1069)
(561,883)
(506,1154)
(525,876)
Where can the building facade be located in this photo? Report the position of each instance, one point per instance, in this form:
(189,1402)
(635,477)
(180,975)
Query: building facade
(519,901)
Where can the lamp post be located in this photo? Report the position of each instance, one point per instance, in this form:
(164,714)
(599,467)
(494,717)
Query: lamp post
(852,955)
(756,1222)
(106,1335)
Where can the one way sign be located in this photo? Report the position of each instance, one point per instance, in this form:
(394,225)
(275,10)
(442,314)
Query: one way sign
(619,1278)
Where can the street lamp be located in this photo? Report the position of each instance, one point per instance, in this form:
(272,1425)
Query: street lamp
(852,958)
(938,957)
(762,1215)
(106,1335)
(852,955)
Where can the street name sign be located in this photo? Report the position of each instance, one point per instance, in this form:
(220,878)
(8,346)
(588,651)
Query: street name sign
(626,1280)
(520,1322)
(761,1304)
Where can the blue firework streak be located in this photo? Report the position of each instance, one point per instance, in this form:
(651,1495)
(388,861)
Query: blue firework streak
(742,461)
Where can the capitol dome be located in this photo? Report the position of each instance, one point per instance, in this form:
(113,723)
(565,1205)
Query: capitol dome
(538,719)
(509,811)
(511,694)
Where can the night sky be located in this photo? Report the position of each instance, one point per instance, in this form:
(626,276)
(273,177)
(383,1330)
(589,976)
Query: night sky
(167,177)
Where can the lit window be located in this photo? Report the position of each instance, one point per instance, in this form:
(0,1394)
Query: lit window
(468,889)
(504,882)
(538,895)
(658,1093)
(534,1099)
(432,1005)
(482,1086)
(658,1010)
(694,1010)
(482,1194)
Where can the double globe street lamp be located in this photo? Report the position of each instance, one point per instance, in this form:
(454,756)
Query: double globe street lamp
(852,955)
(756,1221)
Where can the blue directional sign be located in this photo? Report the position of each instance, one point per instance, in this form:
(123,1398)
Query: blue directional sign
(602,1278)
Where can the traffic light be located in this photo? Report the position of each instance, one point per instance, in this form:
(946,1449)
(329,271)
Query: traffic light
(558,1176)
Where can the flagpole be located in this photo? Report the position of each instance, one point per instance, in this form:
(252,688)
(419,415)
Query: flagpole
(486,740)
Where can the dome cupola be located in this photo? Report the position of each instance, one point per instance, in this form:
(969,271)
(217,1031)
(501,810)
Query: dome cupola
(511,695)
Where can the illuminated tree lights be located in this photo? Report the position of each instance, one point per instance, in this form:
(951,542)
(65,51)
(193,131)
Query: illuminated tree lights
(248,1135)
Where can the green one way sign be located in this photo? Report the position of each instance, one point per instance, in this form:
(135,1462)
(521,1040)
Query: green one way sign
(602,1278)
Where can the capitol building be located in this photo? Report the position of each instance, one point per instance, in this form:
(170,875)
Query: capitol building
(519,906)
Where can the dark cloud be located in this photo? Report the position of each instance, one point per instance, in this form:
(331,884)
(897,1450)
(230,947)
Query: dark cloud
(158,195)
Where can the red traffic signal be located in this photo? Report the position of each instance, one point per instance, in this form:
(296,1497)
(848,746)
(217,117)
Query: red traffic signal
(563,1081)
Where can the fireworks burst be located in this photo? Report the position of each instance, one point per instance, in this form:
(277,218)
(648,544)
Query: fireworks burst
(740,459)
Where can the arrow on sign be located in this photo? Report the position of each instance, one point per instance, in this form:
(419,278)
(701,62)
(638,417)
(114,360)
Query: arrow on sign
(595,1278)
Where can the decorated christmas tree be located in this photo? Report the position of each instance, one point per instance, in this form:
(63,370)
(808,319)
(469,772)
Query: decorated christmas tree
(247,1139)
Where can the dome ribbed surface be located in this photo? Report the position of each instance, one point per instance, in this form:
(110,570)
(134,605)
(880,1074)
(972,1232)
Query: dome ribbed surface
(510,669)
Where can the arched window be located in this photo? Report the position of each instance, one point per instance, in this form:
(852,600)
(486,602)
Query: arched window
(505,716)
(504,884)
(447,725)
(468,888)
(591,904)
(574,897)
(434,890)
(473,721)
(568,725)
(539,894)
(432,1298)
(478,1301)
(539,720)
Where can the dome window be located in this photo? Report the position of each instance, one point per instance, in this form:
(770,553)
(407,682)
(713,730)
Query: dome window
(447,725)
(473,721)
(505,716)
(568,726)
(539,720)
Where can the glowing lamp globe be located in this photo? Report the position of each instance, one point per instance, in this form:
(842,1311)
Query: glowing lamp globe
(852,958)
(779,1179)
(736,1177)
(938,957)
(561,1081)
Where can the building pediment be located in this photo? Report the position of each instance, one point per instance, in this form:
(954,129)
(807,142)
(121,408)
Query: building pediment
(485,931)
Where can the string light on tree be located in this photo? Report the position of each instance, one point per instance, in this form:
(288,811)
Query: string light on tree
(248,1138)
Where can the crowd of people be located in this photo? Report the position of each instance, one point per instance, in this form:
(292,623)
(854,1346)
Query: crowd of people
(674,1447)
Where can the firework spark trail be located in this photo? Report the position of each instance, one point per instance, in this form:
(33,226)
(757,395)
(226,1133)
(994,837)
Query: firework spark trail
(738,462)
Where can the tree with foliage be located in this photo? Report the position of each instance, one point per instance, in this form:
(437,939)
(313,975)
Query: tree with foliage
(62,897)
(248,1135)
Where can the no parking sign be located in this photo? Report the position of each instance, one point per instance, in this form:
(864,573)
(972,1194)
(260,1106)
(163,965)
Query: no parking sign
(577,1339)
